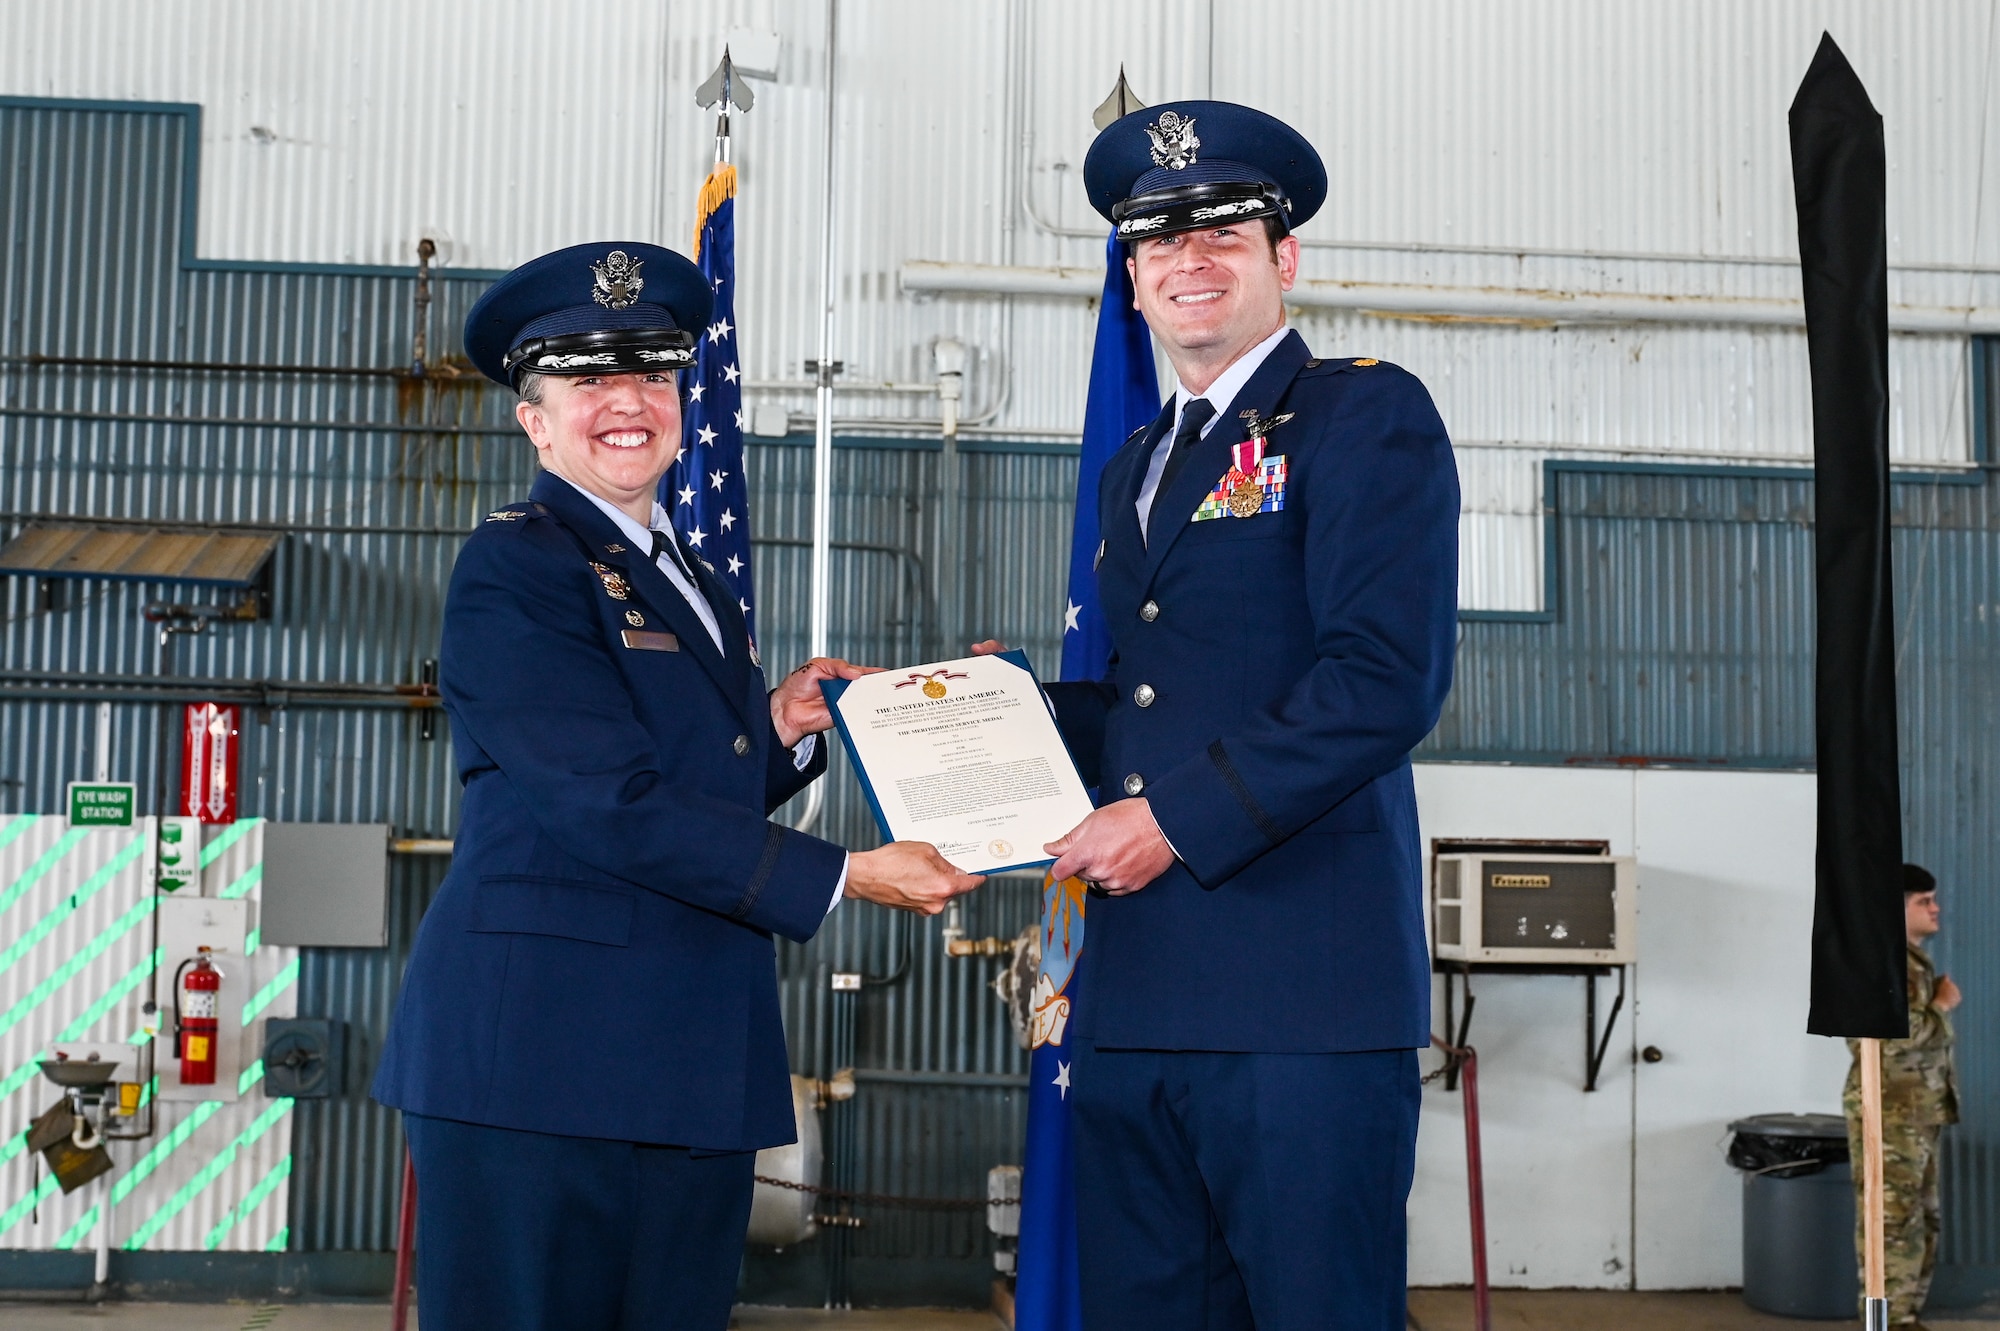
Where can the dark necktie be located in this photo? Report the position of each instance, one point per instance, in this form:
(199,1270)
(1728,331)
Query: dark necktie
(664,543)
(1193,416)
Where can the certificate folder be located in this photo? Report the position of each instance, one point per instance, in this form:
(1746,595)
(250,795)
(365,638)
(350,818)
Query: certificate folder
(964,755)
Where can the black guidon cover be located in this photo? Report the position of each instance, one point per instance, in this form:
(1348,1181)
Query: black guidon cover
(1838,175)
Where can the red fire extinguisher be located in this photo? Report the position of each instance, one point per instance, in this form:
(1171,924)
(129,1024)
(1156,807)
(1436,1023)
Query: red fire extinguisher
(195,1018)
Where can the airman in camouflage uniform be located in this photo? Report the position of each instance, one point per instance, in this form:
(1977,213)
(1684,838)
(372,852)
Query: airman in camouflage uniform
(1919,1096)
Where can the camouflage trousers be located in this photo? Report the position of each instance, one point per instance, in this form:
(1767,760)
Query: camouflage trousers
(1909,1212)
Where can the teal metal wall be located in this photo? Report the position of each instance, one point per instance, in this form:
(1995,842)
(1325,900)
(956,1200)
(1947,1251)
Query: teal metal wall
(1679,631)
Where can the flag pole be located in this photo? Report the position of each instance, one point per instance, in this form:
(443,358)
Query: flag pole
(819,611)
(1874,1287)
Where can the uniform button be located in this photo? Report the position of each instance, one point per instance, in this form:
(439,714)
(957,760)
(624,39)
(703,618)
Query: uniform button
(1143,695)
(1134,784)
(742,745)
(1150,611)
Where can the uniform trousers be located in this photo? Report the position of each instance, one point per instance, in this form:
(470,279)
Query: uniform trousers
(1230,1191)
(527,1231)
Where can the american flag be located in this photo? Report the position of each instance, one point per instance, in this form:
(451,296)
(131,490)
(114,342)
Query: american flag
(704,490)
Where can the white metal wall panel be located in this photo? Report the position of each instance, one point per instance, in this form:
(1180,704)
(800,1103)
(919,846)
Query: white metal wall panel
(75,943)
(1550,145)
(1626,1186)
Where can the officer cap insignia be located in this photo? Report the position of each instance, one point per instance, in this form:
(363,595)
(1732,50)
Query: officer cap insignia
(618,282)
(1153,175)
(504,515)
(1173,139)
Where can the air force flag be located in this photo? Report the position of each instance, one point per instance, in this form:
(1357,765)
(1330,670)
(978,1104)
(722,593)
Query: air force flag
(1124,396)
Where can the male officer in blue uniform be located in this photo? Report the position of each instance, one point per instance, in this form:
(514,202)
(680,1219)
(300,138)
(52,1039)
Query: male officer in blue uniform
(1279,570)
(587,1049)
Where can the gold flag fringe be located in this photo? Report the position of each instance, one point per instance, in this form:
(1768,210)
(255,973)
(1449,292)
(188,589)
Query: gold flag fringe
(718,189)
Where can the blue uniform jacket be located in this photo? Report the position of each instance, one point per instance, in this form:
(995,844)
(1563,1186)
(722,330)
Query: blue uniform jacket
(599,960)
(1293,658)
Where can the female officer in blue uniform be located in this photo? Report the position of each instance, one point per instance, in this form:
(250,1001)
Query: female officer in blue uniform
(1279,571)
(587,1048)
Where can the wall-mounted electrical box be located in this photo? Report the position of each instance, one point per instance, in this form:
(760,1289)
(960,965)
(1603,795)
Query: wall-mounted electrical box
(1536,909)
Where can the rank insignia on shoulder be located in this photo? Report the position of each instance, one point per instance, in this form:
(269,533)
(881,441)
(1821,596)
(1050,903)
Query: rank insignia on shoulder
(505,515)
(756,661)
(614,582)
(1099,558)
(705,564)
(1363,362)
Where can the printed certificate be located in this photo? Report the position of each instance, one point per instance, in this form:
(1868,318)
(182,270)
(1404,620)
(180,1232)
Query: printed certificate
(964,755)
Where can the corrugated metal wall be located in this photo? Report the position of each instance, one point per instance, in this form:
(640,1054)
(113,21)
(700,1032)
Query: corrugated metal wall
(1557,146)
(77,916)
(1684,634)
(373,479)
(1680,630)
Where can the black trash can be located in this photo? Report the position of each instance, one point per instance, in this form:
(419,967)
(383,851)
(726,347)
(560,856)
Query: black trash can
(1798,1215)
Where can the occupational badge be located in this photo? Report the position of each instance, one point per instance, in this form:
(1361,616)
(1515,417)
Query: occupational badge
(1173,140)
(635,619)
(614,582)
(618,282)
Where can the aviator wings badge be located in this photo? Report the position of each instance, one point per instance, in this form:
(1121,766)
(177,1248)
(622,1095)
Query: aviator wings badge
(1173,140)
(618,282)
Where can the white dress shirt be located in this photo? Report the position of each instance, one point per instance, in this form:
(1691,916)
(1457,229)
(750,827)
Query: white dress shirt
(1221,395)
(642,539)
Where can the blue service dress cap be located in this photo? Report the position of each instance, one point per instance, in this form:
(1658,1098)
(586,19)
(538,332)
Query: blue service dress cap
(613,307)
(1182,165)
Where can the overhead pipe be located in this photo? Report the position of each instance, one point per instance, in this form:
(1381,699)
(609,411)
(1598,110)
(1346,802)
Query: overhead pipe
(1457,304)
(820,605)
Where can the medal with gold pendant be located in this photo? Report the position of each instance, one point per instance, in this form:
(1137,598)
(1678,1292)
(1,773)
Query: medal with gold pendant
(1246,499)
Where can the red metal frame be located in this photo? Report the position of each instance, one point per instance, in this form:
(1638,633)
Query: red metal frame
(1466,1059)
(406,1246)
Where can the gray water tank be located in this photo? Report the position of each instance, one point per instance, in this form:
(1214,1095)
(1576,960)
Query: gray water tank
(1798,1219)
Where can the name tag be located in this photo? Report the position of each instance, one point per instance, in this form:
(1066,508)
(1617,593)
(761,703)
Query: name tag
(641,641)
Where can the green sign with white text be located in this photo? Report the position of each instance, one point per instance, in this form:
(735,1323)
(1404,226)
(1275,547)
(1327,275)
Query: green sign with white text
(101,803)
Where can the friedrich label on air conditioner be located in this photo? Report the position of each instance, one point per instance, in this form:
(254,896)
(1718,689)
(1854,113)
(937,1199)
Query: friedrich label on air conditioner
(1520,880)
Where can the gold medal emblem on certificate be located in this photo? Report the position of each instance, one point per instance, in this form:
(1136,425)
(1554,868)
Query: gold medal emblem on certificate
(934,688)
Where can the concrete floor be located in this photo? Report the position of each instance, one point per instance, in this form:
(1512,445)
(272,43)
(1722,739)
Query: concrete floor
(375,1317)
(1599,1310)
(1430,1310)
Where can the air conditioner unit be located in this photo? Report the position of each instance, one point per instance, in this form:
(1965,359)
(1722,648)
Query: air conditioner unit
(1536,909)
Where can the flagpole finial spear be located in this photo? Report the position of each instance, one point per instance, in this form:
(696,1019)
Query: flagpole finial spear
(723,90)
(1122,102)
